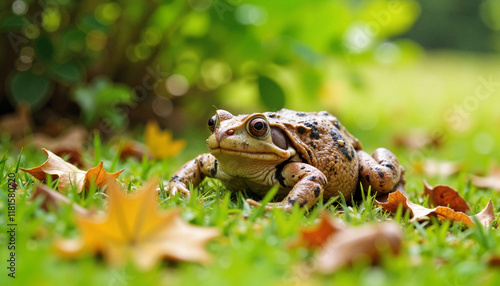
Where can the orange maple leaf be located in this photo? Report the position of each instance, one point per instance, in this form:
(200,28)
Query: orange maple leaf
(160,143)
(68,174)
(133,227)
(418,212)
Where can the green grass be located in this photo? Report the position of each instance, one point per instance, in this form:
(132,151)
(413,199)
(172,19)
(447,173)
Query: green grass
(253,249)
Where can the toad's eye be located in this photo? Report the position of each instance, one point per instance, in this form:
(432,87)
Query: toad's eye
(213,123)
(258,127)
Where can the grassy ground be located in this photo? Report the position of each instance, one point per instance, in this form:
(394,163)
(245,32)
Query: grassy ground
(393,100)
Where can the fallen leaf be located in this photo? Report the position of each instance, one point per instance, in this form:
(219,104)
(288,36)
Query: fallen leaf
(317,235)
(73,138)
(160,143)
(492,181)
(53,199)
(18,123)
(416,140)
(494,261)
(367,242)
(442,195)
(68,174)
(135,150)
(341,245)
(433,168)
(69,143)
(420,213)
(133,227)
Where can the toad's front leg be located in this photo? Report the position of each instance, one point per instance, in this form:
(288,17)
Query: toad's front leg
(308,184)
(205,165)
(381,171)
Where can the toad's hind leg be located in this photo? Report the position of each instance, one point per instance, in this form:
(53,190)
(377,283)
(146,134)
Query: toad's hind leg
(381,171)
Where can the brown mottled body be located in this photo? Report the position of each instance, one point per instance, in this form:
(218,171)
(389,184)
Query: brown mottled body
(306,154)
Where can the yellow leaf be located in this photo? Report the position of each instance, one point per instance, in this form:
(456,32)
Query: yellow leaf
(134,228)
(161,143)
(70,175)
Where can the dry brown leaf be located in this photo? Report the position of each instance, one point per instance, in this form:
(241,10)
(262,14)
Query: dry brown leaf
(340,245)
(420,213)
(317,235)
(53,199)
(16,124)
(416,140)
(135,150)
(433,168)
(133,227)
(72,139)
(492,181)
(367,242)
(68,174)
(494,261)
(446,196)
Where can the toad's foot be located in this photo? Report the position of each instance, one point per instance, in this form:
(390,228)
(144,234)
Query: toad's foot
(381,171)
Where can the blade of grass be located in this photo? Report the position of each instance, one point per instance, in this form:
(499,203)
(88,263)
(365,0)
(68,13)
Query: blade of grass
(269,196)
(97,148)
(117,156)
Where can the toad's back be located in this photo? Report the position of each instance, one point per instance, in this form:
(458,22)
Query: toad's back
(321,141)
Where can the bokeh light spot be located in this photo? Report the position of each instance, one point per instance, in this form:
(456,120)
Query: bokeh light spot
(107,13)
(19,7)
(96,40)
(387,53)
(484,143)
(26,55)
(177,84)
(151,36)
(51,19)
(162,106)
(215,73)
(31,31)
(142,51)
(358,38)
(248,14)
(200,5)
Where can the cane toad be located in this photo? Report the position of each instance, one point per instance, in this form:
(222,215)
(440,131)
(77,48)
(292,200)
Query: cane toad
(307,154)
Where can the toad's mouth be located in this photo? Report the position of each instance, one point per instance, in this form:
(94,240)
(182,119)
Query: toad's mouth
(265,156)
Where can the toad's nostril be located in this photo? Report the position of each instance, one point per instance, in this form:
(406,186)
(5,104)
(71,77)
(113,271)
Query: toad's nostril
(230,132)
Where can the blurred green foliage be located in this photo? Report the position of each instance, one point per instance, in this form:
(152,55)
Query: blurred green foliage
(192,54)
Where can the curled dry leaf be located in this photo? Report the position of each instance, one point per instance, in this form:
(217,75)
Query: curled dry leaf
(54,200)
(434,168)
(70,175)
(340,245)
(72,139)
(68,143)
(317,235)
(442,195)
(369,242)
(492,181)
(18,123)
(160,143)
(419,213)
(133,227)
(135,150)
(416,140)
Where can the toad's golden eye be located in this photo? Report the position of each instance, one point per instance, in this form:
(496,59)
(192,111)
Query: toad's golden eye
(213,123)
(258,127)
